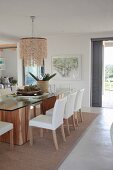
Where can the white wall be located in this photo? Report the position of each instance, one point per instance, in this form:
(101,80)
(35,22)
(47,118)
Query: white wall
(71,44)
(67,44)
(74,44)
(10,57)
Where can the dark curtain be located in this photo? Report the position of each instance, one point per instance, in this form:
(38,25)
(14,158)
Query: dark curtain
(96,90)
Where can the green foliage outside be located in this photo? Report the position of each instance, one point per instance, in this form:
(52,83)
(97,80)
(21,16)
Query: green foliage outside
(109,77)
(108,72)
(108,85)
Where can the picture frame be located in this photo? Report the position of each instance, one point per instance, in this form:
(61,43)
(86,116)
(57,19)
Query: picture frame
(67,67)
(2,64)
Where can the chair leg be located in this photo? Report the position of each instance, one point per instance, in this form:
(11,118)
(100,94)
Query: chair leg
(73,121)
(30,135)
(63,133)
(55,139)
(11,139)
(67,124)
(41,132)
(77,121)
(81,117)
(76,118)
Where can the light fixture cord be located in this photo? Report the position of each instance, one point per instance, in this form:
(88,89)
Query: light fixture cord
(32,51)
(32,18)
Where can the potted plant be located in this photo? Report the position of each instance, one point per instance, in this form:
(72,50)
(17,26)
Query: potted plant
(14,82)
(43,83)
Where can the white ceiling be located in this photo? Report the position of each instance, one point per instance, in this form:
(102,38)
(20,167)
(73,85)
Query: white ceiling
(54,17)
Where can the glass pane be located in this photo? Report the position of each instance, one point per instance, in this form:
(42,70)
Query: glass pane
(36,70)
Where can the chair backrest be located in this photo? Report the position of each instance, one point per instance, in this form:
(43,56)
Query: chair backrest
(5,91)
(66,93)
(69,109)
(78,101)
(58,112)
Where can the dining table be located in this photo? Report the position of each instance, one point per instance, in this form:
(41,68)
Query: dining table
(17,110)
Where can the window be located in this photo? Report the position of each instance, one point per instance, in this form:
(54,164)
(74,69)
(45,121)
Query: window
(2,64)
(36,70)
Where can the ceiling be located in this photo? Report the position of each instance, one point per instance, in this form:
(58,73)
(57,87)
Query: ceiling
(54,17)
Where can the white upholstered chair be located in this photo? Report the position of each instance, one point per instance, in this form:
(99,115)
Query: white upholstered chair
(69,110)
(7,127)
(78,104)
(50,122)
(5,91)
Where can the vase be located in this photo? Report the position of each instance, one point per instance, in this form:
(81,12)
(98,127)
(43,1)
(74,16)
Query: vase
(43,85)
(14,88)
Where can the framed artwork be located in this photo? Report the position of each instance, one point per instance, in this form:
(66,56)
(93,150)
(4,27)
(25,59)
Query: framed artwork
(2,64)
(67,67)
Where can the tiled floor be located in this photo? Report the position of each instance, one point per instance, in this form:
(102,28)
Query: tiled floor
(94,151)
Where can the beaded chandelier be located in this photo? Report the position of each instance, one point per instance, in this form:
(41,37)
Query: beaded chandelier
(33,50)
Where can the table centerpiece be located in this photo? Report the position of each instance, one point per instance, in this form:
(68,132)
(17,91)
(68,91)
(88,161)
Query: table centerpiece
(43,82)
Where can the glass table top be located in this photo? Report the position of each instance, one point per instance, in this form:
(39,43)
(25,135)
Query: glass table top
(11,103)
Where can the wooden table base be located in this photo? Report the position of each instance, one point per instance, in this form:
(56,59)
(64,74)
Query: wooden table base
(20,119)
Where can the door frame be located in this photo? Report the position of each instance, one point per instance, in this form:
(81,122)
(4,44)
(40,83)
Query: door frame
(92,69)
